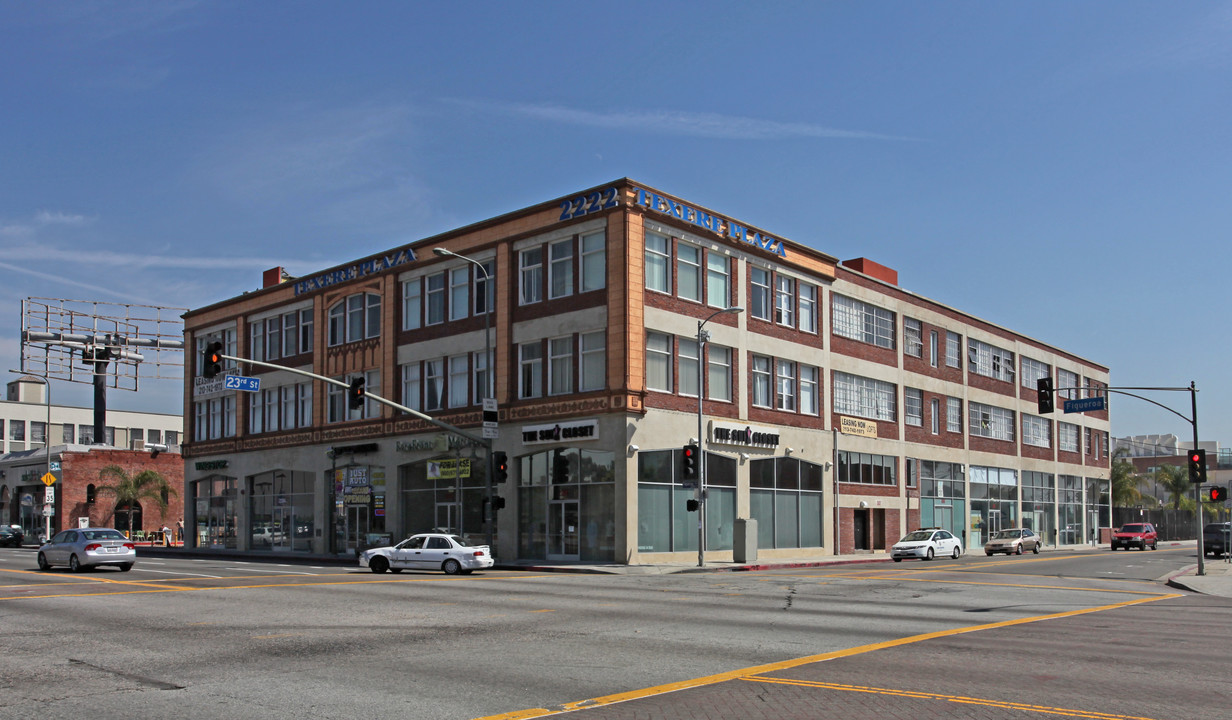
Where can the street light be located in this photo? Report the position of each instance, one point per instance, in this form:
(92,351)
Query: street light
(702,337)
(488,390)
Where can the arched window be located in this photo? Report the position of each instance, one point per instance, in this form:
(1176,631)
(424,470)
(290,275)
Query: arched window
(355,317)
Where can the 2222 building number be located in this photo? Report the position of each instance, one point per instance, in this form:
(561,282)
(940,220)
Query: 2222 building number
(585,204)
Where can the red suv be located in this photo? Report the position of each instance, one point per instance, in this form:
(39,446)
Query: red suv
(1137,535)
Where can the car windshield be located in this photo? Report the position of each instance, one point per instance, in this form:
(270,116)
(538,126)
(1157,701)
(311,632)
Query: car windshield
(1005,535)
(918,536)
(102,535)
(1134,528)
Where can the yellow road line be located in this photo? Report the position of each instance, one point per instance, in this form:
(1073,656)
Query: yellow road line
(797,662)
(917,695)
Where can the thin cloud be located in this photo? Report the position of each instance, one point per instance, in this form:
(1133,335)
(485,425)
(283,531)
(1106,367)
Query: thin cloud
(60,280)
(105,258)
(668,122)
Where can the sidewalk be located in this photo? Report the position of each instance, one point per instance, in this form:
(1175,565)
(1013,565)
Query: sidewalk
(1216,581)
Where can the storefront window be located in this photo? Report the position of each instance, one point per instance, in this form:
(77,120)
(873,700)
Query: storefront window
(994,502)
(445,494)
(215,505)
(942,495)
(282,511)
(567,505)
(785,498)
(1039,504)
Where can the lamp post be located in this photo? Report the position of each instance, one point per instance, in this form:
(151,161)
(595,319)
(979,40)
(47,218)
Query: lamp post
(488,390)
(702,337)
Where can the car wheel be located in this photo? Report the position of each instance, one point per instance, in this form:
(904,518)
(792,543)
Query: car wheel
(898,559)
(1035,549)
(451,567)
(74,564)
(928,555)
(988,553)
(378,564)
(42,562)
(467,572)
(1017,549)
(125,567)
(395,570)
(1154,546)
(957,552)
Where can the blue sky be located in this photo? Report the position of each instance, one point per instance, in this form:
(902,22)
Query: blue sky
(1058,168)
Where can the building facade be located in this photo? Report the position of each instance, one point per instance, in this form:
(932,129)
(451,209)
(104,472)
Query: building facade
(835,409)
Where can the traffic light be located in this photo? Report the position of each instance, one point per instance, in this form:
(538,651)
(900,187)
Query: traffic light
(355,394)
(1197,466)
(500,466)
(1217,494)
(1044,387)
(211,360)
(560,467)
(691,453)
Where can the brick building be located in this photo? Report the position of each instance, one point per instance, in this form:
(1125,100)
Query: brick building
(837,409)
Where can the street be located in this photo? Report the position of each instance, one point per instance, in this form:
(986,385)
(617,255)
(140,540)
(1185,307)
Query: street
(1092,635)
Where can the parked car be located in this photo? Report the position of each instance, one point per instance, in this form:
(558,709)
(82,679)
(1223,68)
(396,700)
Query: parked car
(1013,542)
(83,548)
(11,535)
(1138,535)
(429,551)
(1216,537)
(926,544)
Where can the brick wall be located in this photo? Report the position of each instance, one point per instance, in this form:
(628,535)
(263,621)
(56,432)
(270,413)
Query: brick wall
(79,470)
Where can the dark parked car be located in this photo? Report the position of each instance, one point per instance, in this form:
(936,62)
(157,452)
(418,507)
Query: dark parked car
(11,535)
(1215,538)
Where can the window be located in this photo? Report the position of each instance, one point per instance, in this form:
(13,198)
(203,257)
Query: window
(718,280)
(865,397)
(867,469)
(1067,437)
(435,295)
(530,378)
(719,373)
(355,318)
(689,272)
(1036,431)
(990,360)
(860,321)
(659,362)
(761,381)
(658,262)
(459,376)
(689,365)
(933,339)
(531,272)
(303,401)
(785,301)
(594,261)
(482,388)
(808,308)
(286,399)
(953,415)
(1067,384)
(459,292)
(68,433)
(434,384)
(560,365)
(785,385)
(484,279)
(339,410)
(17,431)
(759,293)
(411,388)
(913,406)
(594,361)
(913,337)
(412,304)
(290,334)
(256,339)
(953,349)
(38,432)
(810,401)
(991,422)
(560,269)
(1033,370)
(306,325)
(934,415)
(273,338)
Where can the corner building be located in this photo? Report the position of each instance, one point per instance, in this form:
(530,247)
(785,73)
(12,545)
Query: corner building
(837,410)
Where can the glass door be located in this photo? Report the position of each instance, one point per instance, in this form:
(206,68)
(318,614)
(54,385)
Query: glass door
(446,518)
(563,535)
(356,527)
(282,527)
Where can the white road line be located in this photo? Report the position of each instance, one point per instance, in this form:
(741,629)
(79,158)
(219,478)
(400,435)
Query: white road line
(265,570)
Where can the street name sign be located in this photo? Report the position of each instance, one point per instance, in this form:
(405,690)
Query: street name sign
(242,382)
(1085,405)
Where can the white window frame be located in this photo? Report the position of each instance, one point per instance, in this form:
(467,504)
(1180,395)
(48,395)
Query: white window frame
(560,365)
(763,381)
(459,292)
(412,304)
(990,421)
(459,380)
(785,385)
(810,384)
(560,269)
(530,369)
(412,386)
(990,361)
(913,406)
(689,272)
(785,301)
(913,337)
(862,322)
(865,397)
(1036,431)
(435,290)
(688,367)
(593,364)
(530,276)
(593,261)
(808,307)
(658,263)
(434,384)
(760,298)
(718,280)
(659,362)
(718,372)
(953,415)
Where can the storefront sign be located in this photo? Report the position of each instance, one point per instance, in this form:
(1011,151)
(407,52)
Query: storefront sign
(211,464)
(714,223)
(744,435)
(203,386)
(560,432)
(856,426)
(355,272)
(449,469)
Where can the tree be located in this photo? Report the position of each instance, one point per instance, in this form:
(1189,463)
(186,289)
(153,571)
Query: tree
(1175,480)
(129,490)
(1127,484)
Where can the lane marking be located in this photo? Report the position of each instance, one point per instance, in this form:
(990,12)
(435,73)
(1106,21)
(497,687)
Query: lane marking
(808,660)
(917,695)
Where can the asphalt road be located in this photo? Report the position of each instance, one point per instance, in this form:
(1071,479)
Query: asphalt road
(1091,635)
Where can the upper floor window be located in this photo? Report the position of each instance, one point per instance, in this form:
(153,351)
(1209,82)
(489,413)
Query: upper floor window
(459,292)
(530,380)
(861,321)
(530,263)
(338,407)
(484,280)
(759,293)
(1036,431)
(808,308)
(594,261)
(785,301)
(594,361)
(355,318)
(659,362)
(718,280)
(990,422)
(560,365)
(990,360)
(434,291)
(865,397)
(913,337)
(412,304)
(953,349)
(1033,370)
(658,263)
(1067,384)
(689,272)
(560,269)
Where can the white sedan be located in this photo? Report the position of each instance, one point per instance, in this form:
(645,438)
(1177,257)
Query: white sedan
(927,544)
(451,554)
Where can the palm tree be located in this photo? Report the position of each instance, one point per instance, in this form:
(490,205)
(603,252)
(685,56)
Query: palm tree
(1126,483)
(129,490)
(1175,480)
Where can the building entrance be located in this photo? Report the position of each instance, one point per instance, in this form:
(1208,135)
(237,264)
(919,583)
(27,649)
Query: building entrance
(563,530)
(356,530)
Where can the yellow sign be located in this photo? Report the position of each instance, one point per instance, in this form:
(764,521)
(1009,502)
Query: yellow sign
(856,426)
(49,479)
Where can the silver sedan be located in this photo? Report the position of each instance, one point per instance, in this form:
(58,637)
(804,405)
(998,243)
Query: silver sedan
(83,548)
